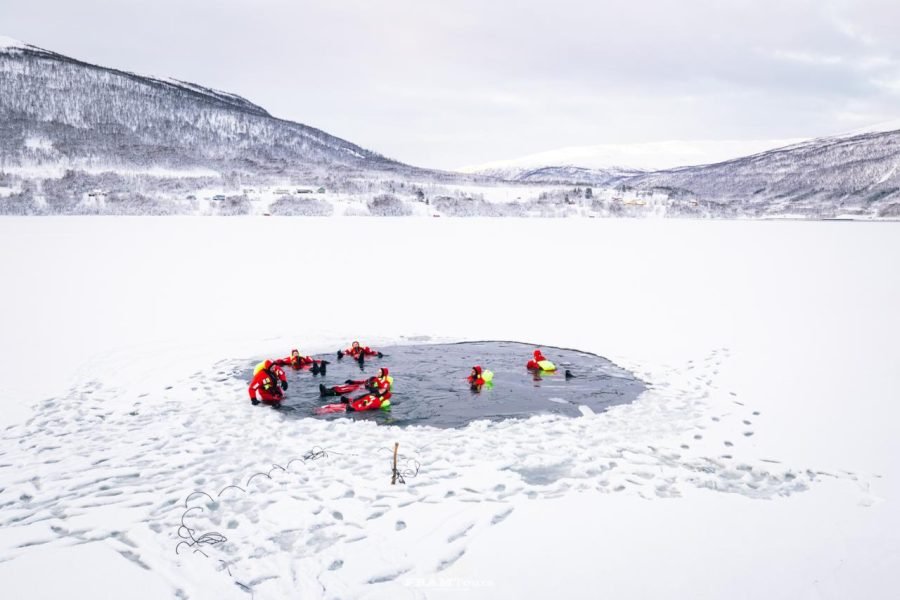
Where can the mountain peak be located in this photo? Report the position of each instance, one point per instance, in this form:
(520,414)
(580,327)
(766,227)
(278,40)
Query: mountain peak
(81,115)
(8,43)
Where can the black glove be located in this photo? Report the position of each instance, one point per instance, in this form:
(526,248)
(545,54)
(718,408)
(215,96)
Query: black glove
(340,355)
(284,385)
(348,381)
(380,355)
(254,401)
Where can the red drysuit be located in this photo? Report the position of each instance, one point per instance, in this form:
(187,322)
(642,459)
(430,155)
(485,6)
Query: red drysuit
(296,361)
(475,378)
(265,385)
(533,364)
(356,350)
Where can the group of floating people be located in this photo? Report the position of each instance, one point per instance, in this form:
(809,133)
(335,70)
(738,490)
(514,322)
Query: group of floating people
(269,382)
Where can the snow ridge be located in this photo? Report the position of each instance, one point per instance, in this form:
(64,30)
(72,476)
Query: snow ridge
(8,43)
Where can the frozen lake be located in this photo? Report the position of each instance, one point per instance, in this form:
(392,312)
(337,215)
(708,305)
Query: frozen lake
(761,461)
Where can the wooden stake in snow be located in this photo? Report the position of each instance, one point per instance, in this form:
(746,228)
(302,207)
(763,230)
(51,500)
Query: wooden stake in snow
(394,474)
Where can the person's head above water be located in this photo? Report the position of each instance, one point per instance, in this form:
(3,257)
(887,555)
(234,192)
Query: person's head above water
(354,345)
(275,371)
(538,355)
(476,370)
(383,372)
(295,352)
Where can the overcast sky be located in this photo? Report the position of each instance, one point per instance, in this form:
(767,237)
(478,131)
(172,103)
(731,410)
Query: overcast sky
(460,82)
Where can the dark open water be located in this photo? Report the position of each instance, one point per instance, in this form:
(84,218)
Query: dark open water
(430,386)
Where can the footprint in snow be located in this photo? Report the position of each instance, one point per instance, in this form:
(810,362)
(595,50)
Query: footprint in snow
(501,516)
(388,576)
(461,533)
(447,562)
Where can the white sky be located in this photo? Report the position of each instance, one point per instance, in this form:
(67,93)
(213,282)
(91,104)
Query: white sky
(445,84)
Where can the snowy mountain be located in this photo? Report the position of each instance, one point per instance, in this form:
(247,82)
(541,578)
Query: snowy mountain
(851,175)
(856,174)
(645,156)
(77,138)
(56,111)
(564,174)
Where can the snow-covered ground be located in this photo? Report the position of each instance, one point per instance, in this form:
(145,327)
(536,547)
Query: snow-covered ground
(762,462)
(503,193)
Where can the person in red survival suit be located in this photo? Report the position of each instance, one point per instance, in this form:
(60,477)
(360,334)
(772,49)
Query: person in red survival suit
(535,363)
(349,386)
(356,351)
(375,399)
(297,362)
(372,401)
(268,385)
(475,377)
(379,384)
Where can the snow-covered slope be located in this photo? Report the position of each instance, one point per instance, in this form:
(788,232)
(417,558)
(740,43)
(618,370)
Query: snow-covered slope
(640,155)
(833,176)
(57,110)
(9,44)
(851,175)
(563,174)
